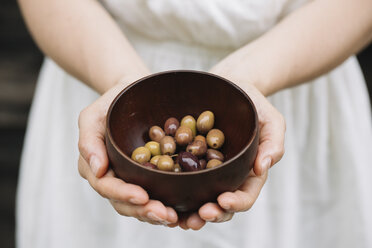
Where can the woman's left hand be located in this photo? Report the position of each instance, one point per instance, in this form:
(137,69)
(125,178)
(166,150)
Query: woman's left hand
(270,151)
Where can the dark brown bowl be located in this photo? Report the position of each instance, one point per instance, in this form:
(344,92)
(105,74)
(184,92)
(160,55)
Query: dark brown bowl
(150,101)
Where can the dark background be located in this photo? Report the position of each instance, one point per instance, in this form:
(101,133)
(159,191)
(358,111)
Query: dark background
(20,62)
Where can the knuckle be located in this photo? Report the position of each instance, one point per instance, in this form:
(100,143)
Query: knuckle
(83,114)
(247,202)
(278,150)
(80,169)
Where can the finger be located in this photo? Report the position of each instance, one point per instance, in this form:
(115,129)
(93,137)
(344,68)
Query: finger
(182,221)
(243,198)
(195,222)
(172,216)
(113,188)
(153,211)
(212,212)
(271,144)
(91,139)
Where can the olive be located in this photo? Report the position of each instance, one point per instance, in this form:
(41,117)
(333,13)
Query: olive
(154,160)
(165,163)
(177,168)
(197,148)
(213,163)
(190,122)
(171,125)
(150,165)
(201,138)
(205,122)
(188,162)
(183,135)
(167,145)
(202,163)
(156,133)
(141,155)
(215,138)
(154,147)
(214,154)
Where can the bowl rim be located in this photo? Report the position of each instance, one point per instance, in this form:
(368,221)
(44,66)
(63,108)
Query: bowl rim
(186,173)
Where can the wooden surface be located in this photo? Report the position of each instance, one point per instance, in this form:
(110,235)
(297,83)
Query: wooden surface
(19,65)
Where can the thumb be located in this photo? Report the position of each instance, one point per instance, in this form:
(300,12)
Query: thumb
(91,140)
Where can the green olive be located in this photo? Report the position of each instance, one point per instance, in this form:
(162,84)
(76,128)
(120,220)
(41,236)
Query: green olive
(201,138)
(141,155)
(197,148)
(156,133)
(205,122)
(183,135)
(177,168)
(167,145)
(154,148)
(190,122)
(214,154)
(213,163)
(165,163)
(215,138)
(154,160)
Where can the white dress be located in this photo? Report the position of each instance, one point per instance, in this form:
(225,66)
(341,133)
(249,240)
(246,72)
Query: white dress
(319,195)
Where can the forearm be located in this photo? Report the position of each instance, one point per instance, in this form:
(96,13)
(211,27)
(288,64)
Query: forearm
(83,39)
(306,44)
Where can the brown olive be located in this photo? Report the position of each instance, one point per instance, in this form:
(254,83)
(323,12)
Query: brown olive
(141,155)
(156,133)
(167,145)
(197,148)
(183,135)
(201,138)
(171,125)
(215,138)
(205,122)
(154,148)
(190,122)
(154,160)
(214,154)
(177,168)
(150,165)
(165,163)
(203,164)
(213,163)
(188,162)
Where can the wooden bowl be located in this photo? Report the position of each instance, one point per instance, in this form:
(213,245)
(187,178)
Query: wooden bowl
(153,99)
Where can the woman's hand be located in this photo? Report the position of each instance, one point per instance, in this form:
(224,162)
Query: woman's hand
(127,199)
(270,151)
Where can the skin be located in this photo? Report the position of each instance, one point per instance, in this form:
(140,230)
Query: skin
(301,47)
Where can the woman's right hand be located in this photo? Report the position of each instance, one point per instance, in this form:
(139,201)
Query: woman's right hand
(127,199)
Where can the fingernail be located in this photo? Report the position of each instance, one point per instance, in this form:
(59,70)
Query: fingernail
(211,219)
(226,206)
(171,214)
(265,165)
(154,217)
(135,201)
(94,164)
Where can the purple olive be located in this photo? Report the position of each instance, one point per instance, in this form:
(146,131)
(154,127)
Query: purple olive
(188,162)
(214,154)
(203,164)
(152,166)
(171,125)
(197,147)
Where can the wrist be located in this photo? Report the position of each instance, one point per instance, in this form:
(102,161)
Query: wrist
(128,78)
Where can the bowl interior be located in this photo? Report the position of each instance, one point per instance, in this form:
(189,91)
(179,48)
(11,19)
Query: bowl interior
(152,100)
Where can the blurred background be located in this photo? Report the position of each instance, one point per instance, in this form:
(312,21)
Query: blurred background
(20,61)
